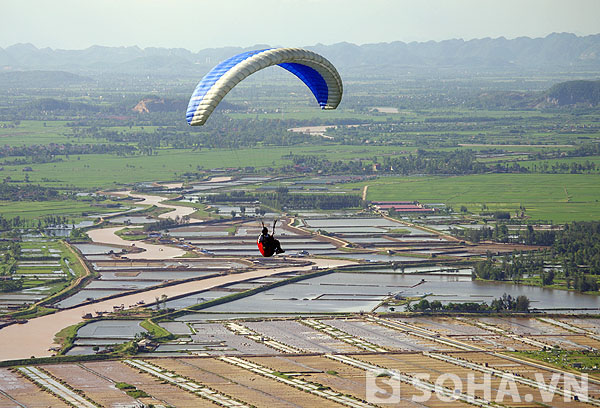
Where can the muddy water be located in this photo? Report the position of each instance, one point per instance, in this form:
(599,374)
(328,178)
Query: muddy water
(151,251)
(108,236)
(176,211)
(35,337)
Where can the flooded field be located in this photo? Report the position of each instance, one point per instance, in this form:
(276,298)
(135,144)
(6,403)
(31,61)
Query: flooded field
(320,332)
(111,329)
(356,292)
(352,222)
(289,361)
(97,336)
(89,249)
(41,268)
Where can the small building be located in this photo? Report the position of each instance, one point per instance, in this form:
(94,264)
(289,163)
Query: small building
(408,207)
(146,345)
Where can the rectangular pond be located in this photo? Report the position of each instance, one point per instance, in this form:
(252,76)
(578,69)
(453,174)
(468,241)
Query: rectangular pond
(307,295)
(126,329)
(355,222)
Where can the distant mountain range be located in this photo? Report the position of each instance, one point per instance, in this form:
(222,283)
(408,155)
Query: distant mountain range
(553,53)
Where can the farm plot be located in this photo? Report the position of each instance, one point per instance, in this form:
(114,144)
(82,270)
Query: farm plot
(98,389)
(586,341)
(330,373)
(523,325)
(47,382)
(412,390)
(16,300)
(5,401)
(15,389)
(104,333)
(297,335)
(445,326)
(177,328)
(419,364)
(573,342)
(217,339)
(241,384)
(521,368)
(385,337)
(123,329)
(496,342)
(320,370)
(165,393)
(589,324)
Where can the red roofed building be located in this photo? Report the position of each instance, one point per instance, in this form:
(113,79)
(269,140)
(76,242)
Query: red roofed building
(401,206)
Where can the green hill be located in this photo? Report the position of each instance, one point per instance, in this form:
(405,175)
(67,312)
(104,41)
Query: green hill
(574,93)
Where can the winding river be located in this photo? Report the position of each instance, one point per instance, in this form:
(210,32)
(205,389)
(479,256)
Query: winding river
(36,337)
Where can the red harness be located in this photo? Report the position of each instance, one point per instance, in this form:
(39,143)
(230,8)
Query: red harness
(267,252)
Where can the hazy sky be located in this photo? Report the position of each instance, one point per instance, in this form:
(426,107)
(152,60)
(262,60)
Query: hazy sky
(198,24)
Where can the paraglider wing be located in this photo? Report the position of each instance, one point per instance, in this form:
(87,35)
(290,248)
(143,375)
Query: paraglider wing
(315,71)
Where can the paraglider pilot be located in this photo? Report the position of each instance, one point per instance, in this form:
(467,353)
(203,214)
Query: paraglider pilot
(267,244)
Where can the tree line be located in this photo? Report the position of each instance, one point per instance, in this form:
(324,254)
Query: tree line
(22,192)
(282,199)
(505,303)
(575,249)
(499,232)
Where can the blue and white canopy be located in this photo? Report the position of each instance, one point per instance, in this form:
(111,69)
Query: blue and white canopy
(315,71)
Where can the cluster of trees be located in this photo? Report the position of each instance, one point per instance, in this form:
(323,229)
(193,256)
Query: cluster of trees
(511,267)
(435,162)
(587,149)
(10,285)
(313,163)
(282,199)
(505,303)
(429,162)
(582,282)
(578,243)
(161,224)
(48,153)
(422,162)
(232,196)
(53,220)
(13,224)
(5,223)
(221,132)
(565,167)
(21,192)
(11,250)
(501,233)
(576,247)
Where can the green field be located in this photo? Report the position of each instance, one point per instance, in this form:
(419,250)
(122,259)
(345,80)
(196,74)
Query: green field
(31,132)
(32,210)
(107,171)
(556,197)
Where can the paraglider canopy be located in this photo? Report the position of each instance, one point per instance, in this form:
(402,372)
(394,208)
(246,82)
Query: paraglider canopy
(315,71)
